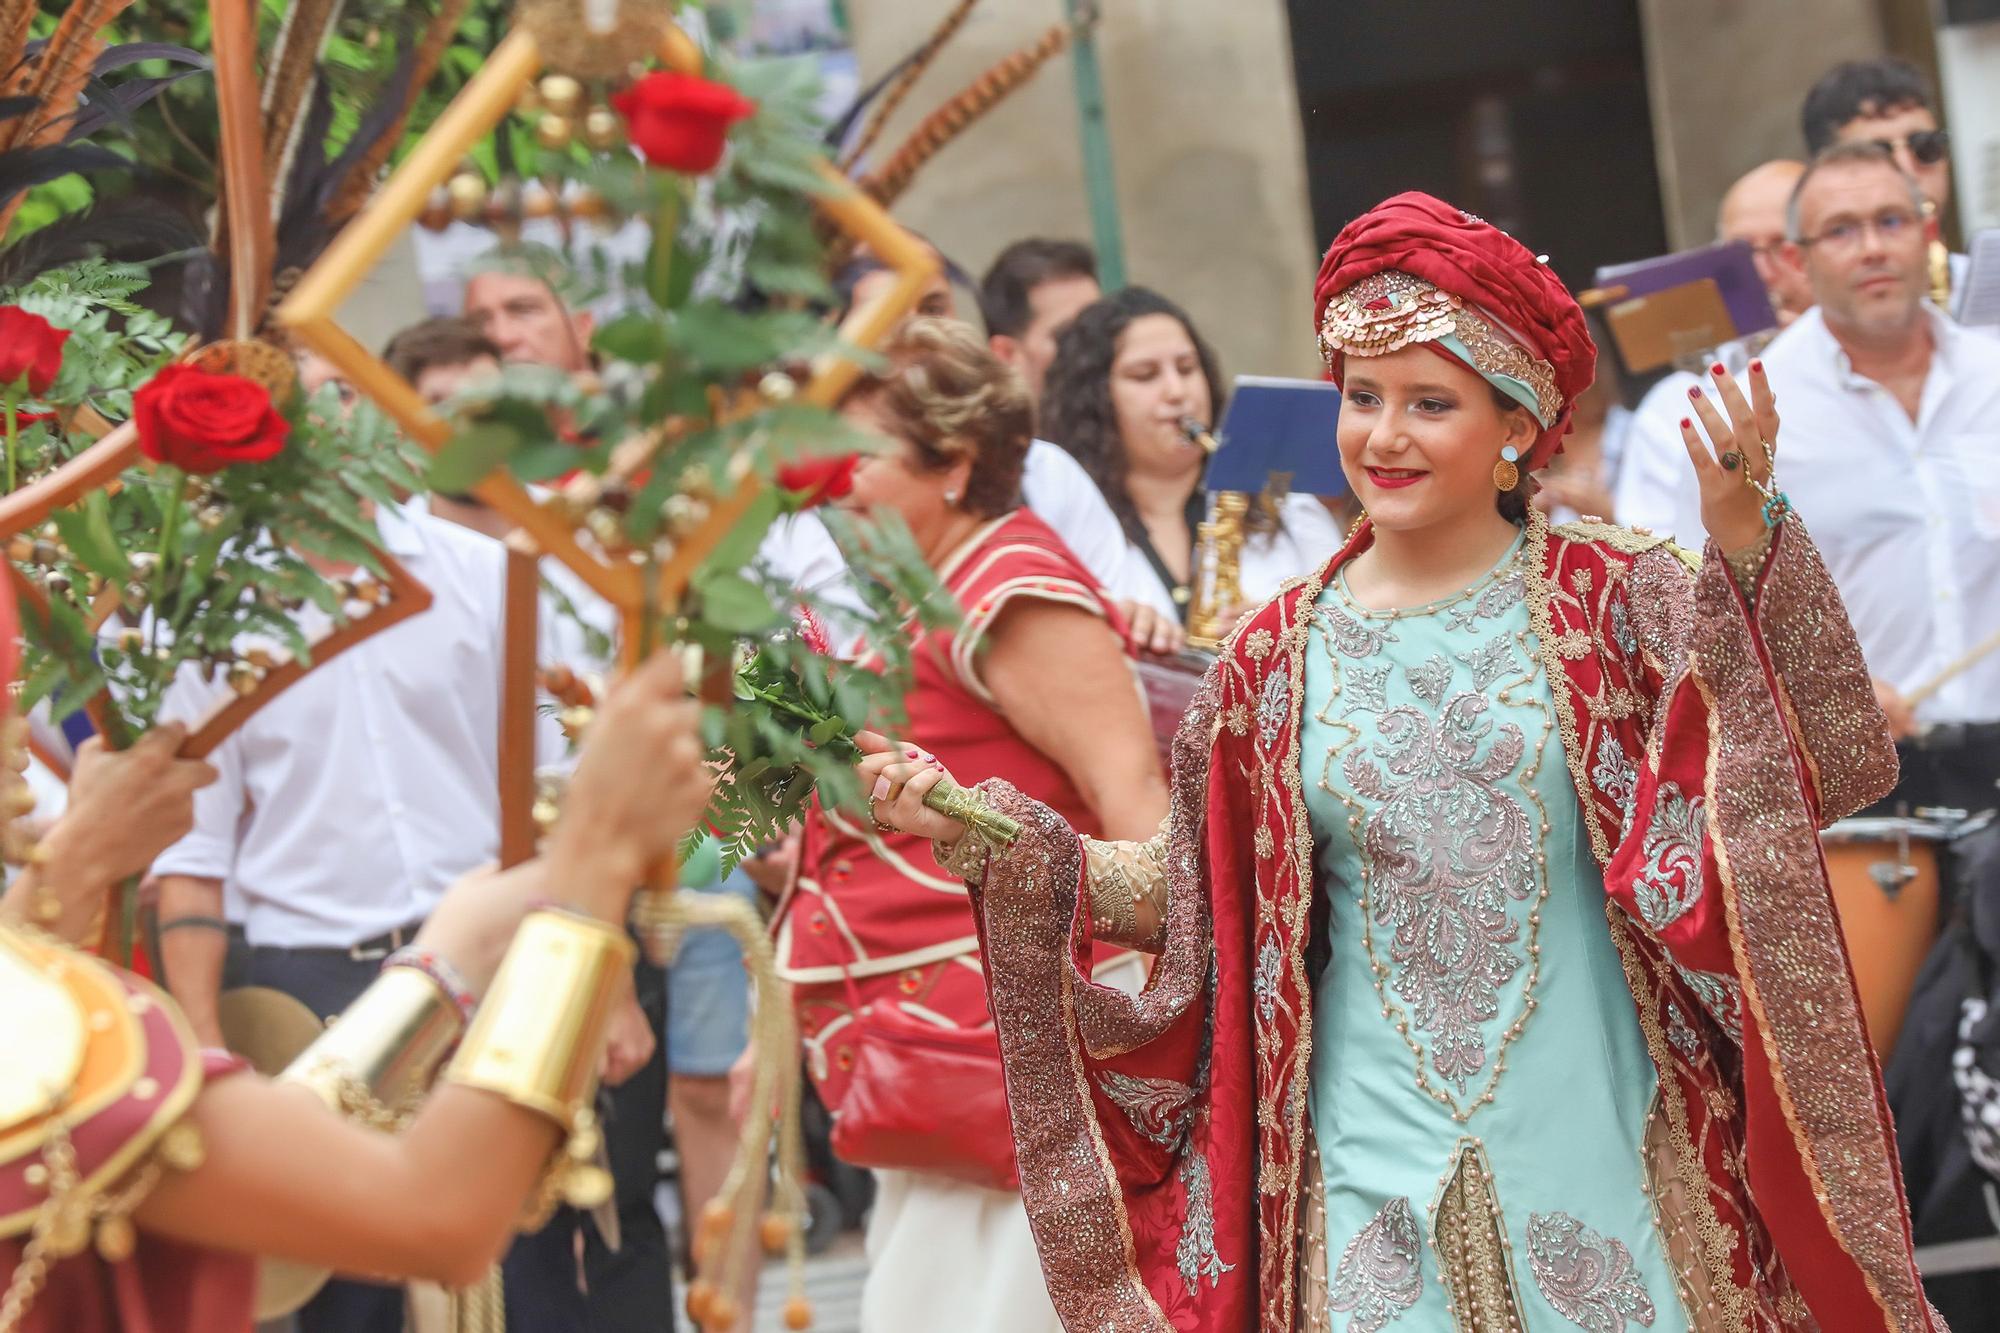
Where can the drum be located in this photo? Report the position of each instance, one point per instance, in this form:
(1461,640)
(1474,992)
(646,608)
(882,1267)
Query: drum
(1886,876)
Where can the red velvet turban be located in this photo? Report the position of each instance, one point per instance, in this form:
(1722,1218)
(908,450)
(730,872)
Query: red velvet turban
(1413,269)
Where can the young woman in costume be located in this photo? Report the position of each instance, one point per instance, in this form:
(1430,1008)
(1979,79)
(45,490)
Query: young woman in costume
(1498,985)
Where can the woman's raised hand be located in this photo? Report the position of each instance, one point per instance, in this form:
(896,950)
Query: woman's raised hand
(897,777)
(1735,463)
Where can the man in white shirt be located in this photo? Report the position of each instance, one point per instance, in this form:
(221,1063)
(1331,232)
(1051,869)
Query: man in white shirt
(519,310)
(1891,452)
(341,811)
(1655,463)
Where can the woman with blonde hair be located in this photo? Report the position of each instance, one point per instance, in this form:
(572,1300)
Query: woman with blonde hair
(883,951)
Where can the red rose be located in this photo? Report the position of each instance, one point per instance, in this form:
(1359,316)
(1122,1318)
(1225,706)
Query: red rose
(818,480)
(29,346)
(202,422)
(678,121)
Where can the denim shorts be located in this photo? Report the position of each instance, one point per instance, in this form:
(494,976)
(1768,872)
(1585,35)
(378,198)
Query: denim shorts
(708,996)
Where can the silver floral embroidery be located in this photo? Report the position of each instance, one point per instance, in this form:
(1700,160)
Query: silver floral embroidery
(1680,1035)
(1496,600)
(1274,705)
(1380,1275)
(1614,773)
(1159,1108)
(1588,1278)
(1353,638)
(1264,985)
(1449,849)
(1430,680)
(1366,689)
(1721,996)
(1196,1255)
(1621,630)
(1670,880)
(1490,663)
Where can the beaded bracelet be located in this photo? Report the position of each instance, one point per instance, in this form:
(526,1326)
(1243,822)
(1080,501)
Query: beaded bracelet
(439,969)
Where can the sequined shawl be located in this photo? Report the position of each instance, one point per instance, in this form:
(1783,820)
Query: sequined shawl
(1164,1148)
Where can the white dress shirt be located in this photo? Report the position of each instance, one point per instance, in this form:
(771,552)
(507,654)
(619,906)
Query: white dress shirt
(1906,513)
(1063,496)
(347,805)
(1307,538)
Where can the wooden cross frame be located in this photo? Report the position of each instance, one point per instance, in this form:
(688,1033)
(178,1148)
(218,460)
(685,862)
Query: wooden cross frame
(308,312)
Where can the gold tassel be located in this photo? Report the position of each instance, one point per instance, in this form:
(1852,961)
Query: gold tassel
(957,115)
(730,1234)
(927,54)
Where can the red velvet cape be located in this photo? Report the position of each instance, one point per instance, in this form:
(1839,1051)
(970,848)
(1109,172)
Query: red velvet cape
(1163,1139)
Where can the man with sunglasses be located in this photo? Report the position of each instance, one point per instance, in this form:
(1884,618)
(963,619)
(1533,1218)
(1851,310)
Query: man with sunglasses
(1889,102)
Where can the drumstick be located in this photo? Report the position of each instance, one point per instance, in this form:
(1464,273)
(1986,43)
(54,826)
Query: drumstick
(1953,670)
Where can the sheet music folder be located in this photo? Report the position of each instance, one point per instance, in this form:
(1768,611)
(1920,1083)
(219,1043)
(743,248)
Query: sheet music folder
(1684,304)
(1277,426)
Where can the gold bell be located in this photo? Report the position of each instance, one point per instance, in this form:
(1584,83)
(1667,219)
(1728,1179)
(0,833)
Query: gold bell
(585,1187)
(243,677)
(561,94)
(468,196)
(545,814)
(553,132)
(602,129)
(778,386)
(576,721)
(181,1147)
(116,1239)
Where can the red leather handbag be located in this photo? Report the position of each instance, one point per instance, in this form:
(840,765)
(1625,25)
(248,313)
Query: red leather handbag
(926,1098)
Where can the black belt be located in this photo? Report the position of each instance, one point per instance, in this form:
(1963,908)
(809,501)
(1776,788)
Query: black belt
(371,950)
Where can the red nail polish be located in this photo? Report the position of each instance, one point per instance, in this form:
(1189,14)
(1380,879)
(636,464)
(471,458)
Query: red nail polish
(1757,367)
(1716,370)
(1695,392)
(1686,424)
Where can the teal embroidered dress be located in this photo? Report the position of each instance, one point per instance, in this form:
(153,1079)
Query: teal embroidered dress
(1480,1082)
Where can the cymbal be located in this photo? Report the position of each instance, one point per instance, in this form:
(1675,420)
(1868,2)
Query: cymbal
(266,1027)
(270,1029)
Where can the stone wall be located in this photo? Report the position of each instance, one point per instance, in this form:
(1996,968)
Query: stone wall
(1727,79)
(1204,129)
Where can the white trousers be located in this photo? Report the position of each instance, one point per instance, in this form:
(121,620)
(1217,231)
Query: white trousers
(947,1255)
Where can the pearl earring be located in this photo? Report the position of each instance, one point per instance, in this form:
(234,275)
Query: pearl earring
(951,497)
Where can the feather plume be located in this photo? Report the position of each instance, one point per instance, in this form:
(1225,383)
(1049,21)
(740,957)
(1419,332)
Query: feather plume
(913,69)
(359,181)
(60,74)
(294,66)
(15,16)
(956,115)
